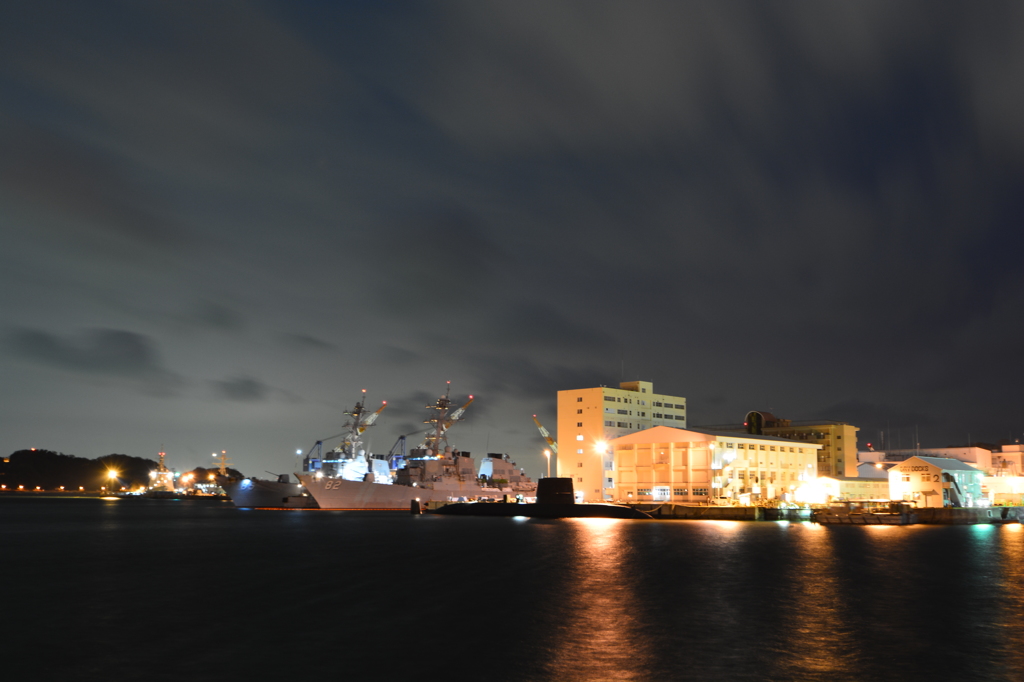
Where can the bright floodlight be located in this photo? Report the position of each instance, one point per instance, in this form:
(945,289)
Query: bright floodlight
(601,446)
(298,452)
(111,474)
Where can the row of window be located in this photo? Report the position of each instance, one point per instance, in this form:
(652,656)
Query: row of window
(751,446)
(613,399)
(675,491)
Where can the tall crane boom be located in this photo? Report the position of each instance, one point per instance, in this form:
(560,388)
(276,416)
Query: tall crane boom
(547,436)
(457,414)
(373,417)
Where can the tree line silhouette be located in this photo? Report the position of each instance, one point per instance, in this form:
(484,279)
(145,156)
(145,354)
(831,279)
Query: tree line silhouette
(50,470)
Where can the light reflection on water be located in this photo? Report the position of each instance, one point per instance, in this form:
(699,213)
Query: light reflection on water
(598,637)
(326,595)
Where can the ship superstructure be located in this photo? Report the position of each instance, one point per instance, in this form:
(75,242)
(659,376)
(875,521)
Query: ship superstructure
(434,471)
(161,478)
(349,460)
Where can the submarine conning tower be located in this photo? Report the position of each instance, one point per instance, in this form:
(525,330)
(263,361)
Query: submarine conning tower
(555,491)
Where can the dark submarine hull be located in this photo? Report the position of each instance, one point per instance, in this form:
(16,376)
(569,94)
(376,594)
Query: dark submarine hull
(541,510)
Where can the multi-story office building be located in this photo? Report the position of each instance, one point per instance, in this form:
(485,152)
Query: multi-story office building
(589,417)
(664,464)
(838,454)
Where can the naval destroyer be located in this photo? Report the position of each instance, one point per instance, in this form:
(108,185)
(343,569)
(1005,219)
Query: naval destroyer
(433,472)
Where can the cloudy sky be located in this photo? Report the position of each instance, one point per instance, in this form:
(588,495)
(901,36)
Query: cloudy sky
(221,221)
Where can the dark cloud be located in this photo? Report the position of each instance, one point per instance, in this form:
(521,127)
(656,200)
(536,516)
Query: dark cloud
(435,257)
(84,187)
(539,326)
(523,377)
(109,352)
(218,317)
(307,342)
(872,417)
(393,355)
(242,389)
(785,205)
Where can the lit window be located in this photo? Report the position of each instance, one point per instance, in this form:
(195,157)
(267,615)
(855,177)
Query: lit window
(580,451)
(579,437)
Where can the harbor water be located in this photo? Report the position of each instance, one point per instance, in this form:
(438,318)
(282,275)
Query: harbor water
(169,590)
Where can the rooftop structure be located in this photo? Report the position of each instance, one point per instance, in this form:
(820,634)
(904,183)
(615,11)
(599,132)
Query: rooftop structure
(838,454)
(1003,462)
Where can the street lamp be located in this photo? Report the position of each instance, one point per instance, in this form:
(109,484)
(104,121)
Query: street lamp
(547,453)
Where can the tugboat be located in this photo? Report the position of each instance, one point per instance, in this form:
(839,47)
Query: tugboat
(433,472)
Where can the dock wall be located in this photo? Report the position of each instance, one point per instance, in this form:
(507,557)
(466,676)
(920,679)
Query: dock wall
(969,515)
(909,516)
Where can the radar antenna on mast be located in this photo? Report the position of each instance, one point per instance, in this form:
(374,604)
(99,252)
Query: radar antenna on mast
(436,439)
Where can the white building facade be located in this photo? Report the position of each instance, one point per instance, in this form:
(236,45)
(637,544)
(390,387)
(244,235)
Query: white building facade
(664,464)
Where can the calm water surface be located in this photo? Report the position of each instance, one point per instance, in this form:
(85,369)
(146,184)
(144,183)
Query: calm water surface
(163,590)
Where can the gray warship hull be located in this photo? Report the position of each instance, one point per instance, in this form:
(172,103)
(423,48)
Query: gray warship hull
(340,494)
(255,493)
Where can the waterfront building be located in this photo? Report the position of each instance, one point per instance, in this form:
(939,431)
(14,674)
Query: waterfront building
(936,482)
(1006,461)
(838,440)
(665,464)
(978,457)
(590,417)
(848,489)
(1004,490)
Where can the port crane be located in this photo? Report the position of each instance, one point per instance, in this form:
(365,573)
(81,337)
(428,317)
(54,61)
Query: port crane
(547,436)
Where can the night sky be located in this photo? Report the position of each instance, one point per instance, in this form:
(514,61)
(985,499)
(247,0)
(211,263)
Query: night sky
(221,221)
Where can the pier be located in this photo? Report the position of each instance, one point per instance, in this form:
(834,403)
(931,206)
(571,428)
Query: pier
(896,515)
